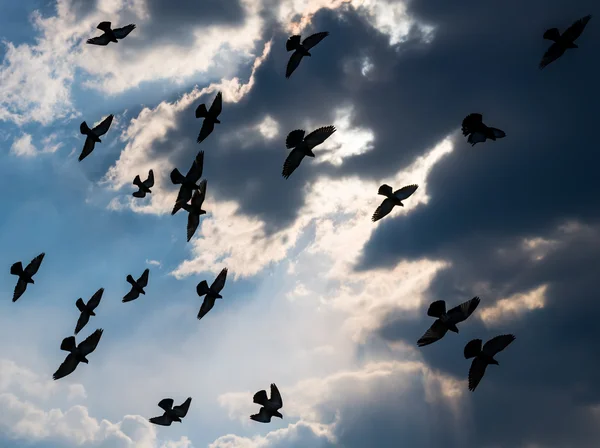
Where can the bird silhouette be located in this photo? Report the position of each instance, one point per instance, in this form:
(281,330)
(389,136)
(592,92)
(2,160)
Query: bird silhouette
(171,414)
(77,353)
(303,146)
(392,198)
(194,209)
(137,287)
(110,35)
(25,275)
(187,182)
(446,320)
(270,408)
(478,132)
(484,356)
(93,135)
(562,42)
(144,187)
(212,293)
(210,116)
(301,49)
(87,310)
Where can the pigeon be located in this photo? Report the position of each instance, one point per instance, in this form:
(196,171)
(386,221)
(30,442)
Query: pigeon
(76,354)
(93,135)
(109,34)
(25,275)
(446,320)
(479,132)
(87,310)
(301,49)
(303,146)
(484,356)
(187,182)
(392,198)
(144,187)
(211,293)
(172,413)
(137,287)
(210,116)
(194,210)
(270,408)
(563,41)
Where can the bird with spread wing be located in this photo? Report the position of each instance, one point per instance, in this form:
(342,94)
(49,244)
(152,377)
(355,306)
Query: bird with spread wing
(93,135)
(212,293)
(302,146)
(301,49)
(477,131)
(143,187)
(270,407)
(392,198)
(194,209)
(25,275)
(484,356)
(77,353)
(562,42)
(172,413)
(446,320)
(110,35)
(87,309)
(187,182)
(210,116)
(137,286)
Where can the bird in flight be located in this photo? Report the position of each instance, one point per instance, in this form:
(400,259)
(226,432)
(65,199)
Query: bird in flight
(25,275)
(478,132)
(392,198)
(137,287)
(110,35)
(210,116)
(194,210)
(301,49)
(564,41)
(172,413)
(187,182)
(270,408)
(87,310)
(93,135)
(212,293)
(144,187)
(484,356)
(77,353)
(446,320)
(303,146)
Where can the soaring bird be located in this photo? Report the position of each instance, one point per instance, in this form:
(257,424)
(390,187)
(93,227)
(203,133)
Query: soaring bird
(187,182)
(194,210)
(77,353)
(210,116)
(270,408)
(172,413)
(484,356)
(392,198)
(137,287)
(303,146)
(301,49)
(144,187)
(446,320)
(93,135)
(25,275)
(87,310)
(563,41)
(109,34)
(478,132)
(211,293)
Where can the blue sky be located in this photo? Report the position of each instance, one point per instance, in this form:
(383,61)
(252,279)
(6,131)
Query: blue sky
(318,299)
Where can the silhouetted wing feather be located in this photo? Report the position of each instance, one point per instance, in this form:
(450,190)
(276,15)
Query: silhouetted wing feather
(497,344)
(34,265)
(192,224)
(435,333)
(461,312)
(314,39)
(498,133)
(292,162)
(88,147)
(90,343)
(163,420)
(405,192)
(103,127)
(19,289)
(166,404)
(276,396)
(143,280)
(263,416)
(219,283)
(120,33)
(200,194)
(207,305)
(67,367)
(182,410)
(217,106)
(294,138)
(476,372)
(575,30)
(384,209)
(293,63)
(437,308)
(195,172)
(99,40)
(552,54)
(476,137)
(131,295)
(150,181)
(82,321)
(95,299)
(318,136)
(207,127)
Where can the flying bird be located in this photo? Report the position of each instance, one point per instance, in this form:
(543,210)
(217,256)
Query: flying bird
(484,356)
(172,413)
(77,353)
(187,182)
(270,408)
(109,34)
(87,310)
(564,41)
(446,320)
(194,209)
(301,49)
(303,146)
(392,198)
(25,275)
(478,132)
(212,293)
(144,187)
(210,116)
(93,135)
(137,287)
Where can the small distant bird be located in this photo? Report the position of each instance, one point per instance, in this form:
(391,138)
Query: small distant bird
(137,287)
(187,182)
(171,414)
(109,34)
(270,408)
(93,135)
(563,42)
(87,310)
(25,275)
(144,187)
(484,356)
(301,49)
(392,198)
(211,293)
(446,320)
(194,210)
(210,116)
(303,146)
(478,132)
(77,353)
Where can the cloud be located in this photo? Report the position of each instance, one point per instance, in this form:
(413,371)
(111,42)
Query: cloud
(23,146)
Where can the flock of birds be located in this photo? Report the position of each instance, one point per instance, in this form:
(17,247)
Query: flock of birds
(191,198)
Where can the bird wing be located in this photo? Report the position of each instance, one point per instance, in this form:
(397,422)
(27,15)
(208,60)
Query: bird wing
(405,192)
(184,195)
(435,333)
(476,372)
(182,410)
(103,127)
(120,33)
(150,181)
(82,321)
(497,344)
(318,136)
(199,195)
(217,106)
(263,416)
(131,295)
(34,265)
(476,137)
(67,367)
(143,280)
(294,138)
(99,40)
(207,305)
(471,121)
(385,190)
(314,39)
(88,147)
(575,30)
(384,209)
(552,54)
(192,224)
(461,312)
(207,127)
(292,42)
(276,396)
(95,299)
(195,172)
(219,283)
(165,404)
(293,63)
(19,289)
(437,308)
(163,420)
(292,162)
(91,342)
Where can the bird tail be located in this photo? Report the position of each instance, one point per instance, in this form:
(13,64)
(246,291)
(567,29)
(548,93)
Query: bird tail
(201,111)
(176,177)
(16,269)
(202,288)
(84,128)
(385,190)
(552,34)
(260,397)
(473,348)
(80,305)
(68,344)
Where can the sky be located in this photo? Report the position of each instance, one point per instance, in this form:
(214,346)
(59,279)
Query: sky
(319,300)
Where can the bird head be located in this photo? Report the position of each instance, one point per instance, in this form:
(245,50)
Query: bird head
(277,414)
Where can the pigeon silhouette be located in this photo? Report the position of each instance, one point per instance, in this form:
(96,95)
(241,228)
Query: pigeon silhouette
(564,41)
(137,287)
(93,135)
(392,198)
(446,320)
(484,356)
(478,132)
(301,49)
(194,210)
(210,116)
(303,146)
(212,293)
(87,310)
(76,354)
(187,182)
(110,35)
(270,408)
(171,414)
(144,187)
(25,275)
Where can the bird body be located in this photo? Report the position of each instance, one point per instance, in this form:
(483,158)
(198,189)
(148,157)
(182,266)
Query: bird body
(446,321)
(172,413)
(110,35)
(93,135)
(87,310)
(210,116)
(302,146)
(77,353)
(211,292)
(301,49)
(143,187)
(137,286)
(392,199)
(484,356)
(25,275)
(477,131)
(270,407)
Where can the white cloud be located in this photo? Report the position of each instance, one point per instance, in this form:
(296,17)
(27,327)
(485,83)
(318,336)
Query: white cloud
(514,305)
(23,147)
